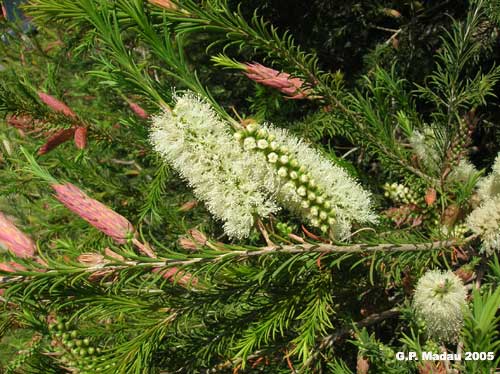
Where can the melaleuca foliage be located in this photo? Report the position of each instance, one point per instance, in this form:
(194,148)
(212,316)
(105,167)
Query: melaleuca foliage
(214,187)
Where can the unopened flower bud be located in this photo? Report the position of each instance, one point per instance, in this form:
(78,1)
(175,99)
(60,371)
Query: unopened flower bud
(284,159)
(198,236)
(301,191)
(272,157)
(14,239)
(252,127)
(282,172)
(249,143)
(188,244)
(314,211)
(262,144)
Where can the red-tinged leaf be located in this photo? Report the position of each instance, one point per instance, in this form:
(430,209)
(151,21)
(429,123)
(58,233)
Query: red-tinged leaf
(311,235)
(58,138)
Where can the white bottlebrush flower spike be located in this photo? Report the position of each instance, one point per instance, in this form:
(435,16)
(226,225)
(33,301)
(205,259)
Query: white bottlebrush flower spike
(462,172)
(424,145)
(489,187)
(342,194)
(234,185)
(440,300)
(241,176)
(485,219)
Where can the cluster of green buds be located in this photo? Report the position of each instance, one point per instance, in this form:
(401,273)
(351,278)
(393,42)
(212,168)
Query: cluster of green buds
(75,351)
(314,202)
(22,357)
(399,193)
(457,231)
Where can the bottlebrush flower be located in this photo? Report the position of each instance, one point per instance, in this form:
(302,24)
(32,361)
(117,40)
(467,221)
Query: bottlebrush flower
(94,212)
(56,139)
(311,186)
(235,185)
(485,221)
(56,105)
(240,177)
(14,239)
(424,144)
(292,87)
(440,300)
(81,137)
(489,187)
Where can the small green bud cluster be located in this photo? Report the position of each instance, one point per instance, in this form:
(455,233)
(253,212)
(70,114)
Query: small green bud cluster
(458,231)
(314,202)
(399,193)
(22,357)
(284,228)
(75,351)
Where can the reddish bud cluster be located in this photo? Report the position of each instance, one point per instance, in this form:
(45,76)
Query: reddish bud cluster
(14,239)
(94,212)
(291,87)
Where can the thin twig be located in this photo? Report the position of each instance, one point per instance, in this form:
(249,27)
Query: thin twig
(329,340)
(289,249)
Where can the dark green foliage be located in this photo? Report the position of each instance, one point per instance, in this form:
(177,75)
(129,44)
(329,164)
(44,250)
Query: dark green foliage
(378,74)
